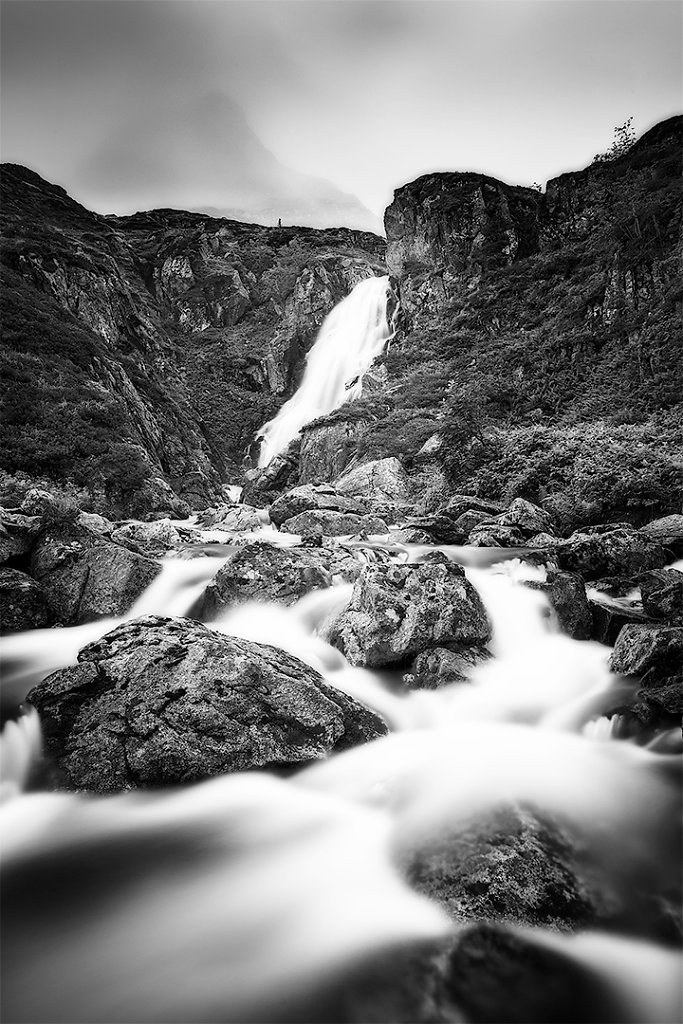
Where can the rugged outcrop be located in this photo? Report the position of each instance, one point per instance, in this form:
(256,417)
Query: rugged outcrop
(398,611)
(182,331)
(159,701)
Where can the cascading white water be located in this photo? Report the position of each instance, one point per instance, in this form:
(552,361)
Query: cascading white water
(351,337)
(217,901)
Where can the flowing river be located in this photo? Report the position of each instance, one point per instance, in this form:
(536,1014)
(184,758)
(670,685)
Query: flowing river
(249,894)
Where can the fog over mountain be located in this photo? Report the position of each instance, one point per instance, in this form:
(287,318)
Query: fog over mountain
(202,155)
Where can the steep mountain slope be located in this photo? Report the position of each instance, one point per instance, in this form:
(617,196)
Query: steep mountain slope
(144,352)
(541,351)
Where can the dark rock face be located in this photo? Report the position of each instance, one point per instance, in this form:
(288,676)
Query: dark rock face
(160,701)
(85,577)
(261,572)
(511,867)
(653,652)
(326,449)
(397,611)
(667,531)
(442,227)
(496,975)
(22,603)
(609,550)
(609,619)
(441,666)
(567,596)
(382,480)
(17,534)
(308,497)
(662,593)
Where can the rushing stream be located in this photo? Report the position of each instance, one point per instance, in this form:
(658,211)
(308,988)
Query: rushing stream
(234,898)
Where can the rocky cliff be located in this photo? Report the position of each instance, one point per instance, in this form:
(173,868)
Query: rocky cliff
(541,336)
(143,352)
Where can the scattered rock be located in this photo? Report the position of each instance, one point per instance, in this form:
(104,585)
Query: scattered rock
(458,504)
(333,524)
(495,535)
(162,701)
(662,594)
(157,496)
(609,550)
(86,577)
(262,572)
(231,518)
(150,539)
(400,610)
(527,517)
(22,603)
(441,666)
(440,527)
(410,535)
(309,497)
(382,479)
(651,651)
(566,593)
(467,521)
(96,523)
(667,531)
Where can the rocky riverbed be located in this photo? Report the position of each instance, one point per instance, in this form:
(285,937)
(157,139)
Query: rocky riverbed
(427,761)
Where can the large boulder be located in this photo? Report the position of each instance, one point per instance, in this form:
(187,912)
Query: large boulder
(262,572)
(496,535)
(22,603)
(439,526)
(512,528)
(150,539)
(327,448)
(653,652)
(383,479)
(566,593)
(333,524)
(609,550)
(458,504)
(396,611)
(85,576)
(309,497)
(262,486)
(662,594)
(231,518)
(161,701)
(527,517)
(667,531)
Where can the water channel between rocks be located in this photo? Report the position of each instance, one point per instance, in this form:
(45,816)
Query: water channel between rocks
(270,895)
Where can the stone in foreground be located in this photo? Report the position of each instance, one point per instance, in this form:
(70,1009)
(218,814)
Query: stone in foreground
(162,701)
(399,610)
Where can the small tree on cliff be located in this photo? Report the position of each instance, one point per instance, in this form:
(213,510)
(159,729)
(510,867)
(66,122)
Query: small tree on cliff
(624,137)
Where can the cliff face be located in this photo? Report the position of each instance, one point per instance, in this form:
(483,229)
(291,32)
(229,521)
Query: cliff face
(542,332)
(173,335)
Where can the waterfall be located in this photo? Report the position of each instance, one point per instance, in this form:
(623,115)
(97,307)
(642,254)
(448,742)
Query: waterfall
(351,337)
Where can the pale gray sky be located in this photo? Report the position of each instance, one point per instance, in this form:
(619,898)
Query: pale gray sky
(366,93)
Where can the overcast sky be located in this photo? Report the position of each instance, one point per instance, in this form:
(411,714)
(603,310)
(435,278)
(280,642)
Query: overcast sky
(366,94)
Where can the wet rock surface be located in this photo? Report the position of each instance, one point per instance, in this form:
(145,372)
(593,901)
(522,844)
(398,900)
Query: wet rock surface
(261,572)
(333,524)
(653,652)
(510,866)
(309,497)
(662,594)
(159,701)
(84,576)
(396,611)
(566,594)
(441,666)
